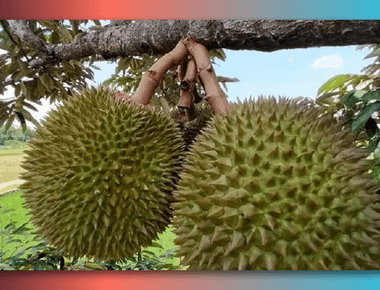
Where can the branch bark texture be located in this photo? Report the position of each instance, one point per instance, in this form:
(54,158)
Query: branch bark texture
(123,39)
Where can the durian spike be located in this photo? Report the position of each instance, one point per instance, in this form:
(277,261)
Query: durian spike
(264,188)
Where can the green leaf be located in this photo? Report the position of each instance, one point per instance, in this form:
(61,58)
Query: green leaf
(94,266)
(135,64)
(371,95)
(157,245)
(108,81)
(334,83)
(30,106)
(227,79)
(14,241)
(24,89)
(218,53)
(97,22)
(29,117)
(19,75)
(92,59)
(22,66)
(17,90)
(165,105)
(20,229)
(3,118)
(6,267)
(353,97)
(374,53)
(9,122)
(124,63)
(77,37)
(376,171)
(22,121)
(364,115)
(10,225)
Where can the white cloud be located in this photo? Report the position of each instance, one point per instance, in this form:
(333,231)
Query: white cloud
(333,61)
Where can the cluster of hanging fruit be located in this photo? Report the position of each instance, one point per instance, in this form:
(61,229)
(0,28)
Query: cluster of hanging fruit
(262,185)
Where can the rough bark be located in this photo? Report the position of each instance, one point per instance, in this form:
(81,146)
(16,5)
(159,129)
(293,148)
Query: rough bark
(126,38)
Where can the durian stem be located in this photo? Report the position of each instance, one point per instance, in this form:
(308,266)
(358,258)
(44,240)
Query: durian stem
(178,57)
(187,85)
(181,70)
(186,99)
(214,93)
(187,73)
(154,76)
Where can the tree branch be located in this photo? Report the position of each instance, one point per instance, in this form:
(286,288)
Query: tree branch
(21,29)
(161,36)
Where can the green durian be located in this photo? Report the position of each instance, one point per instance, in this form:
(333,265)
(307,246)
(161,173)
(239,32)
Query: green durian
(277,186)
(100,176)
(192,129)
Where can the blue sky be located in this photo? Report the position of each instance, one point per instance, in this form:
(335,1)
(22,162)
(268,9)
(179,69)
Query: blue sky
(290,73)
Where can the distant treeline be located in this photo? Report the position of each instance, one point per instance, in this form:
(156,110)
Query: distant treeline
(15,134)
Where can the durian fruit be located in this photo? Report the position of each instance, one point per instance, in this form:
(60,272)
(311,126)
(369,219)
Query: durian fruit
(100,176)
(192,129)
(276,186)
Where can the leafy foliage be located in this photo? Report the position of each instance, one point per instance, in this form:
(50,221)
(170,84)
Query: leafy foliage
(41,256)
(356,97)
(56,81)
(15,134)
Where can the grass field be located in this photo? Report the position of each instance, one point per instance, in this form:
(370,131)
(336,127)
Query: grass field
(12,203)
(10,161)
(16,212)
(9,152)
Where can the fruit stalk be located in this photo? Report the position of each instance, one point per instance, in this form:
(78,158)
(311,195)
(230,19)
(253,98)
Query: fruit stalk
(154,76)
(178,57)
(214,94)
(186,99)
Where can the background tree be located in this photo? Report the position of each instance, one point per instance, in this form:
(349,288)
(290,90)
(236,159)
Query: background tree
(55,59)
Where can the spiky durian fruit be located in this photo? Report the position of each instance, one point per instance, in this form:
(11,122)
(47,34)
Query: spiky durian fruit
(100,176)
(273,186)
(192,129)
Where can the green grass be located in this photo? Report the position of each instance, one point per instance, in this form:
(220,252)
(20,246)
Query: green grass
(9,152)
(18,213)
(10,170)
